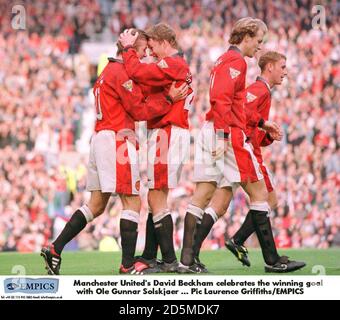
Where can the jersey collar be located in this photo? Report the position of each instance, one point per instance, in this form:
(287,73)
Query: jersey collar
(234,48)
(179,54)
(265,82)
(111,59)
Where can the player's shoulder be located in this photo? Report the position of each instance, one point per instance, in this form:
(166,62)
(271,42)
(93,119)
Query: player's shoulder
(254,86)
(115,64)
(115,69)
(236,60)
(256,90)
(175,61)
(232,56)
(115,76)
(232,63)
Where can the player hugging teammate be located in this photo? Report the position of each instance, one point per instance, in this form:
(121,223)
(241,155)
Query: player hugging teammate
(113,164)
(168,139)
(227,150)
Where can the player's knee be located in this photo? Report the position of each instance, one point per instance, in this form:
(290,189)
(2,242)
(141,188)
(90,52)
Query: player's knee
(97,203)
(273,204)
(98,209)
(201,202)
(157,200)
(202,199)
(131,203)
(134,206)
(150,198)
(221,200)
(219,206)
(272,200)
(221,209)
(259,193)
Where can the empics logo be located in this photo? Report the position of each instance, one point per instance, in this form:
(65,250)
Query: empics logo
(28,285)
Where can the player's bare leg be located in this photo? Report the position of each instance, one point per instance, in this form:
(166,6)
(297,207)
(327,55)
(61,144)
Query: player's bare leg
(128,230)
(203,193)
(221,200)
(73,227)
(193,218)
(272,200)
(81,217)
(158,200)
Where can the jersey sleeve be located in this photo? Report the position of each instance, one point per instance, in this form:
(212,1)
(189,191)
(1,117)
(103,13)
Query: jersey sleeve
(251,108)
(139,107)
(223,84)
(264,139)
(256,102)
(153,74)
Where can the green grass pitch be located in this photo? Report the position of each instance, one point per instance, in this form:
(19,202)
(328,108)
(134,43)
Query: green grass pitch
(219,262)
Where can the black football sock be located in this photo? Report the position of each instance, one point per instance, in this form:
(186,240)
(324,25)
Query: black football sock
(164,229)
(208,220)
(73,227)
(192,219)
(128,233)
(265,235)
(245,231)
(151,244)
(187,256)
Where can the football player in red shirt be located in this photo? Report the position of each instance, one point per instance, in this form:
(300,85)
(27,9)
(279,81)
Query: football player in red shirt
(222,156)
(257,107)
(168,135)
(113,164)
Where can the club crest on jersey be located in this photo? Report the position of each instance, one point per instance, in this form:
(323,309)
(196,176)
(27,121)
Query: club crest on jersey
(250,97)
(128,85)
(234,73)
(162,64)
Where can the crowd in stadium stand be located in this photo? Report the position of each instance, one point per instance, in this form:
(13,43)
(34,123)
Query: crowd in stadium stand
(47,116)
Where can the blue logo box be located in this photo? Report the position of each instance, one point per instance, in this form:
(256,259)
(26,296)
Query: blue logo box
(29,285)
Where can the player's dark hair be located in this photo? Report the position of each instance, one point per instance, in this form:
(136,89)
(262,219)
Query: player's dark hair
(142,35)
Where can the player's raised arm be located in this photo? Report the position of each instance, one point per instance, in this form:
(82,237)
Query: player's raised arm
(147,73)
(161,73)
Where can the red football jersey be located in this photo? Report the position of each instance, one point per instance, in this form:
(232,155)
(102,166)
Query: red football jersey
(161,75)
(120,101)
(257,106)
(227,89)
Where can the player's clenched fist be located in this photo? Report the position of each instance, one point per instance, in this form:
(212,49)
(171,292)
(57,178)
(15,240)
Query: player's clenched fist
(276,135)
(272,128)
(128,37)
